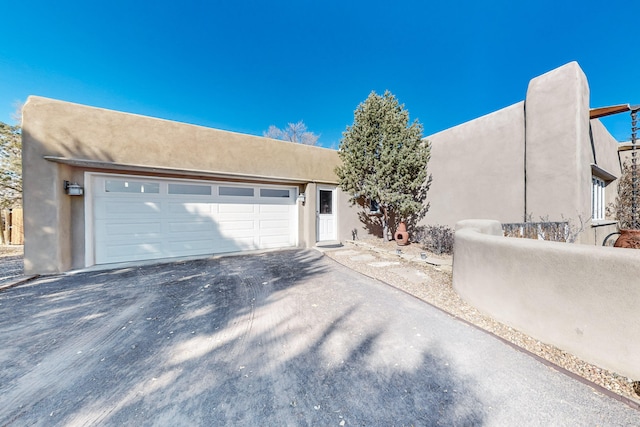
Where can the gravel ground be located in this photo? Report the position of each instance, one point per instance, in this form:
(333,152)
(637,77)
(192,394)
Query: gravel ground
(434,285)
(11,263)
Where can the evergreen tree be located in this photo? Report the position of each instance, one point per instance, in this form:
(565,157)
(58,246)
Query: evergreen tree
(10,166)
(384,161)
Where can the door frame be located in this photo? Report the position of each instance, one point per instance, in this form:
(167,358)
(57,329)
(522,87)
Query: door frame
(334,205)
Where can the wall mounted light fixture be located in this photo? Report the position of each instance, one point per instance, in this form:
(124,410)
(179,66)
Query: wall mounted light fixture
(301,198)
(73,188)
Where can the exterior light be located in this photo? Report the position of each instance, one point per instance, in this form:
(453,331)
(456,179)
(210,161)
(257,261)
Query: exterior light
(73,189)
(301,198)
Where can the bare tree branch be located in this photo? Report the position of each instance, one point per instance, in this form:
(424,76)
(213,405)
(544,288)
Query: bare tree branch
(293,132)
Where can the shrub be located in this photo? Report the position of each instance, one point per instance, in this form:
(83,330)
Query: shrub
(435,238)
(555,231)
(623,207)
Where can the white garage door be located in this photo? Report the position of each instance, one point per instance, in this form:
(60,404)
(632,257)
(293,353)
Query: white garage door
(138,218)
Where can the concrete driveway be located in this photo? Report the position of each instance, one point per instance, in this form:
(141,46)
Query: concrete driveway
(281,338)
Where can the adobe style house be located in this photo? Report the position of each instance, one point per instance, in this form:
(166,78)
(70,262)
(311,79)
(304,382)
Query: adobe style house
(154,189)
(542,157)
(103,187)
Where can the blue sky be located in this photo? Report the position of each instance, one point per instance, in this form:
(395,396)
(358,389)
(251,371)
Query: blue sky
(245,65)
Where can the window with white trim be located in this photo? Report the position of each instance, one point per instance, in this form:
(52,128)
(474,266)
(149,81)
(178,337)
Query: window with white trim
(597,198)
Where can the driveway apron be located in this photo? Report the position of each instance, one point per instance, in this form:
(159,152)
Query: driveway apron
(280,338)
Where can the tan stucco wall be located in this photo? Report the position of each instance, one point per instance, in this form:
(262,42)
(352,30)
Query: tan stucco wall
(558,146)
(478,169)
(348,220)
(604,148)
(580,298)
(604,154)
(78,131)
(54,222)
(529,161)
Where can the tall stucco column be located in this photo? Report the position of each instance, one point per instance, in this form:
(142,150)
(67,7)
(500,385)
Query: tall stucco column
(557,165)
(46,211)
(309,232)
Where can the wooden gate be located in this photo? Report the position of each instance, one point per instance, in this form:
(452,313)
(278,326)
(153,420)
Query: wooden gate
(12,227)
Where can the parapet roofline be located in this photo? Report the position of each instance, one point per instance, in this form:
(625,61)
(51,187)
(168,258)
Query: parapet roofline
(161,170)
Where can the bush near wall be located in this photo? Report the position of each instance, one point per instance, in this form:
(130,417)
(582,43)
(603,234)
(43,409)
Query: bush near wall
(435,238)
(555,231)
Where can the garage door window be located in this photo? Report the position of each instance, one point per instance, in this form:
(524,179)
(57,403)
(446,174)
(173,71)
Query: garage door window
(123,186)
(198,190)
(235,191)
(272,192)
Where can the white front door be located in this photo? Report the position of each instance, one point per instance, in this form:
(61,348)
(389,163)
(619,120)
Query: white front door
(326,213)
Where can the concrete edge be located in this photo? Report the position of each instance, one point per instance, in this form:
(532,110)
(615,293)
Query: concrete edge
(17,282)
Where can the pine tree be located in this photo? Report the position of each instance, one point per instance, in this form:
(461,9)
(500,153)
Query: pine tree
(384,160)
(10,165)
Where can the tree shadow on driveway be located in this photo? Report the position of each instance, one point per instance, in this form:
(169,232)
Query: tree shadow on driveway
(279,338)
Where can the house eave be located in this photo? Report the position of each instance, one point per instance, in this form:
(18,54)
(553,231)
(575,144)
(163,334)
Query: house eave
(598,171)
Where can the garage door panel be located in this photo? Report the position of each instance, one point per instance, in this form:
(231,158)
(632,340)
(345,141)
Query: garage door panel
(275,232)
(269,242)
(106,208)
(275,209)
(230,225)
(192,236)
(268,224)
(189,247)
(237,235)
(236,208)
(231,219)
(134,252)
(237,244)
(129,229)
(191,209)
(138,226)
(192,226)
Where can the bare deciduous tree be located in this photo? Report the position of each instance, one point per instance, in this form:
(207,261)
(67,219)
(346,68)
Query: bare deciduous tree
(293,132)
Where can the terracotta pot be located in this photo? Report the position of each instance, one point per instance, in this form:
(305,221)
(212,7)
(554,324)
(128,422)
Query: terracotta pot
(628,239)
(402,236)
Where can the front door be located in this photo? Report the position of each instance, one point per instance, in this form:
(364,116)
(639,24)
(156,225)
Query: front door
(326,214)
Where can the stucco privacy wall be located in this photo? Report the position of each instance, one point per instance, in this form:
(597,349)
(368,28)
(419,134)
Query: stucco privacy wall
(54,222)
(530,160)
(582,299)
(478,169)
